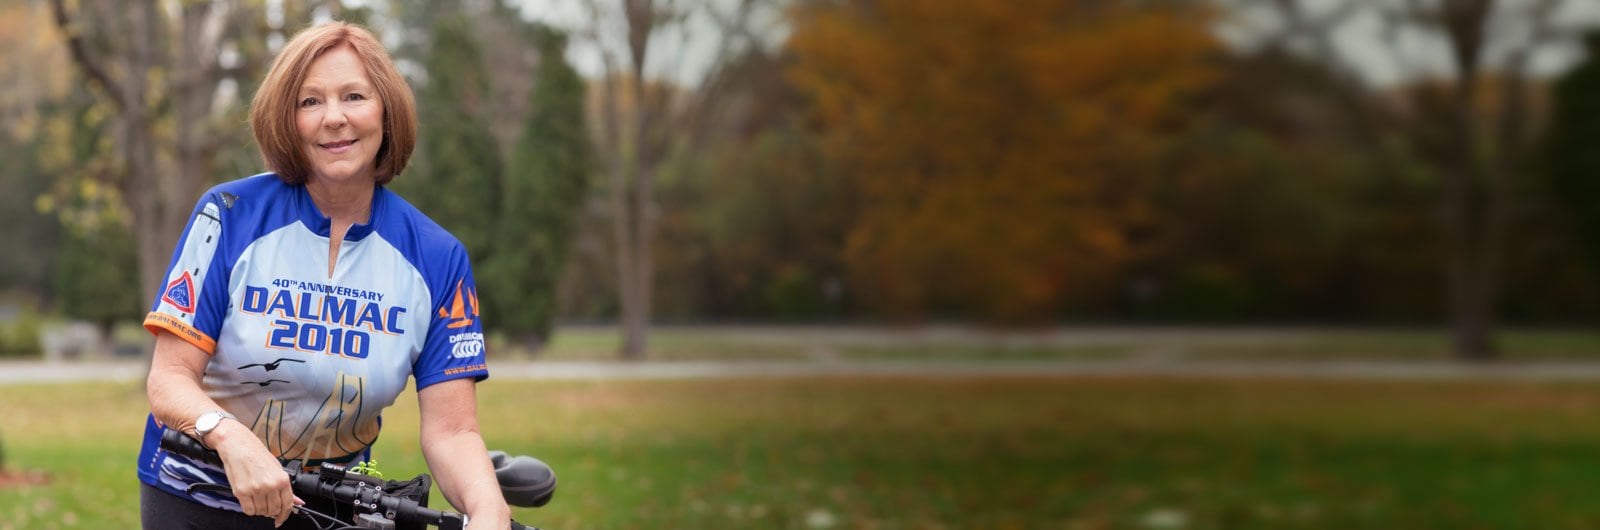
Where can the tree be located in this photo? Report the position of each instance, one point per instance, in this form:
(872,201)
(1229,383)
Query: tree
(162,69)
(96,277)
(645,117)
(36,234)
(1270,208)
(36,74)
(458,170)
(999,151)
(1571,165)
(1467,115)
(754,221)
(542,193)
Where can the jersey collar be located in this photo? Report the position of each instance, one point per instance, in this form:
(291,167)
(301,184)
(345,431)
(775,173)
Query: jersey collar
(323,226)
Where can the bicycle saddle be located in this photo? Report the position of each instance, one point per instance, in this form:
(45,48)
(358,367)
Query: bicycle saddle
(524,480)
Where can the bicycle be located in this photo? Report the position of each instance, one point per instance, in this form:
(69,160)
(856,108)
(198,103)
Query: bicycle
(524,481)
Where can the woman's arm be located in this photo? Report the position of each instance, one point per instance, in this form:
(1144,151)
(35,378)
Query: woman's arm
(457,456)
(176,400)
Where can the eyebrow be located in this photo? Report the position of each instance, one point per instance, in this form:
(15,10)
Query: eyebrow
(348,85)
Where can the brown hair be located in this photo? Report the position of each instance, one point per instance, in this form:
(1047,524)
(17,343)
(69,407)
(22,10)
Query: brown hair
(272,110)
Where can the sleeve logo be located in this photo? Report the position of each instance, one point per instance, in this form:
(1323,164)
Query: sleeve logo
(466,345)
(180,293)
(465,300)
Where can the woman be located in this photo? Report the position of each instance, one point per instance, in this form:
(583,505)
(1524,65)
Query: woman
(300,301)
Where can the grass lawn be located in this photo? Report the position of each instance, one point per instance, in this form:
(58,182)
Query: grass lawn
(739,343)
(730,342)
(866,453)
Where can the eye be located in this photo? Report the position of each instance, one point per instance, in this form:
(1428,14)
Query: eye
(355,96)
(307,102)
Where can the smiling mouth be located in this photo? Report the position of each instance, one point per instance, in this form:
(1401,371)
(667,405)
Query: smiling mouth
(338,144)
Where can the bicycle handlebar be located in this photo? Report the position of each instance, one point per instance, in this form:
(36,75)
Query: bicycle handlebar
(365,498)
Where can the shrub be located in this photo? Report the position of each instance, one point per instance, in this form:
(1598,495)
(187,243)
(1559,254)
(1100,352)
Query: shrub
(20,336)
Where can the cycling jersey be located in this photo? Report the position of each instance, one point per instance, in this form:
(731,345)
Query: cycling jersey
(306,359)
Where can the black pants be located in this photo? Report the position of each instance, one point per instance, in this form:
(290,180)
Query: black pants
(159,510)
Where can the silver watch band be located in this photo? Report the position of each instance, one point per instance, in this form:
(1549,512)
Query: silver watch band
(209,421)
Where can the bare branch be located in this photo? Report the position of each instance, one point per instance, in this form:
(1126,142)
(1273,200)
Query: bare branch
(711,88)
(81,56)
(1317,31)
(1394,26)
(1514,107)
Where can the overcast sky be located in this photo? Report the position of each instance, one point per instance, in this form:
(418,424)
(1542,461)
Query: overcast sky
(683,53)
(1382,55)
(1364,41)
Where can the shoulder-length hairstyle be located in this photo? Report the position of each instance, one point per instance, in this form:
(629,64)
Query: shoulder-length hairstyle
(272,111)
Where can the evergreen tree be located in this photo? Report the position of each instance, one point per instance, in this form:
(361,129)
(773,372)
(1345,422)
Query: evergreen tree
(456,175)
(22,182)
(1571,164)
(543,190)
(96,278)
(96,273)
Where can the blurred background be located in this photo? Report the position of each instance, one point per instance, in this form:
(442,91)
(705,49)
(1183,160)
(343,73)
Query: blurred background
(1062,241)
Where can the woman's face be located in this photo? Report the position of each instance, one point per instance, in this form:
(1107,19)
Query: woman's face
(340,118)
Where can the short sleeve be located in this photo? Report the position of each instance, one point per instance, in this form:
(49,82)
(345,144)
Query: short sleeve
(193,299)
(454,347)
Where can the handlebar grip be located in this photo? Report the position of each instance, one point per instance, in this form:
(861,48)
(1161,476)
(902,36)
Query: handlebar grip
(519,526)
(175,441)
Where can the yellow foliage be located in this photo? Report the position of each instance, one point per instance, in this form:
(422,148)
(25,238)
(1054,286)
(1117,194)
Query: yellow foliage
(34,67)
(997,148)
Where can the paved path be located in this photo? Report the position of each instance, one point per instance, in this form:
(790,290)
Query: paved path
(19,372)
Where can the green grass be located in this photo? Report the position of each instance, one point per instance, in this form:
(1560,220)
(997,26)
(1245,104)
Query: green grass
(1369,344)
(866,453)
(1089,344)
(936,343)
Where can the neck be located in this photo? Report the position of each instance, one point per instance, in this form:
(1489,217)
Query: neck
(343,204)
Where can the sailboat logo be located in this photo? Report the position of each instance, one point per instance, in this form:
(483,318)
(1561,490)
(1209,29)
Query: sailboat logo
(466,299)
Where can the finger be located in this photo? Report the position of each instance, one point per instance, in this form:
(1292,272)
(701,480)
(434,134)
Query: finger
(247,504)
(285,502)
(266,504)
(282,508)
(263,504)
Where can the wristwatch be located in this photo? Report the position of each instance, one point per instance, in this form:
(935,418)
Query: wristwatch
(209,421)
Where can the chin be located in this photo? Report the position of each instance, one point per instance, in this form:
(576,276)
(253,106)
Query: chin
(341,173)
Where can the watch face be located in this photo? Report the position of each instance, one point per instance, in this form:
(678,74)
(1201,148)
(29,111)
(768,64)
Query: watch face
(207,422)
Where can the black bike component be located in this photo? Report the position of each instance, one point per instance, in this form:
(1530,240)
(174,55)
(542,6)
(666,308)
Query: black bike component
(175,441)
(416,489)
(368,499)
(524,480)
(331,473)
(364,495)
(210,488)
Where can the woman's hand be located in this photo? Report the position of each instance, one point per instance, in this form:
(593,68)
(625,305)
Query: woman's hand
(489,522)
(176,400)
(258,480)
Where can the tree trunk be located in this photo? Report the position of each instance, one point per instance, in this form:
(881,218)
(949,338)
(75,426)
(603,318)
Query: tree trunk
(638,149)
(1473,201)
(638,328)
(141,184)
(628,288)
(1471,277)
(160,175)
(636,186)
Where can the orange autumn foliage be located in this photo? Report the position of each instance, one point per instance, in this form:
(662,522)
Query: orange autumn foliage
(998,150)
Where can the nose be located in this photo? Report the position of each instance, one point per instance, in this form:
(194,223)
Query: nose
(334,117)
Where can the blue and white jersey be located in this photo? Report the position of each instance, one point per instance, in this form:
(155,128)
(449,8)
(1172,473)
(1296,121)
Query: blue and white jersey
(306,359)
